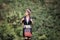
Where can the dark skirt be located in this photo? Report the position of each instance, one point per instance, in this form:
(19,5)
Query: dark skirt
(27,29)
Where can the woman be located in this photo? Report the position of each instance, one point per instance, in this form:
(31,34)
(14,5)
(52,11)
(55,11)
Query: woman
(27,22)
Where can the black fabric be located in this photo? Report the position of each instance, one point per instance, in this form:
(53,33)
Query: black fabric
(25,22)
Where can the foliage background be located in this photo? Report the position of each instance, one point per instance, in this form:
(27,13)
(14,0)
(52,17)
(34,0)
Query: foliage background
(45,14)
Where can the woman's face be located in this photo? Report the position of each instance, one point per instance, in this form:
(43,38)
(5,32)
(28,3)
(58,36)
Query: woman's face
(26,13)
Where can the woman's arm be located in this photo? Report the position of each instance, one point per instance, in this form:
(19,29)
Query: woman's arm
(22,20)
(32,21)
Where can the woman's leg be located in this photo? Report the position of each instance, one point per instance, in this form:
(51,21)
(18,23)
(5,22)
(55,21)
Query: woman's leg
(26,38)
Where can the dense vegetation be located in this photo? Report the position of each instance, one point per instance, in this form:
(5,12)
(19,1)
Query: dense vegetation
(45,14)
